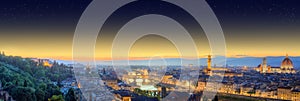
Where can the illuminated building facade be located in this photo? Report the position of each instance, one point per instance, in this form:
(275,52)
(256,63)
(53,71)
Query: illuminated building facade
(284,93)
(286,67)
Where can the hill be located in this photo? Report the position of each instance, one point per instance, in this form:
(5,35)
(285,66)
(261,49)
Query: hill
(27,80)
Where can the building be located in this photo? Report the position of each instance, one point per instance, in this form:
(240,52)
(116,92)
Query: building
(137,77)
(124,86)
(200,86)
(43,62)
(122,95)
(265,93)
(295,95)
(168,79)
(221,71)
(209,63)
(228,88)
(264,68)
(284,93)
(111,83)
(232,74)
(246,90)
(210,71)
(286,67)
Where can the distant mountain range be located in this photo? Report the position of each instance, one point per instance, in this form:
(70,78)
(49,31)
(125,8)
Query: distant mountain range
(231,61)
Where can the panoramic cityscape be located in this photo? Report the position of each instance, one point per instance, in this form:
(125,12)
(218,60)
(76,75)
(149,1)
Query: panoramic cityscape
(153,83)
(149,50)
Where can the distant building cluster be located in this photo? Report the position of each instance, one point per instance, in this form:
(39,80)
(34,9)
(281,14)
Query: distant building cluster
(286,67)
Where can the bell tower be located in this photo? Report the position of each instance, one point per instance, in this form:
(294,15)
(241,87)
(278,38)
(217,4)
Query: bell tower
(264,65)
(209,62)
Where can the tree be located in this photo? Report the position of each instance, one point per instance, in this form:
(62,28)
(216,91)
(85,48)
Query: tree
(40,95)
(251,92)
(59,83)
(23,93)
(43,86)
(216,98)
(16,82)
(56,98)
(25,83)
(3,82)
(39,72)
(26,80)
(137,90)
(70,96)
(8,85)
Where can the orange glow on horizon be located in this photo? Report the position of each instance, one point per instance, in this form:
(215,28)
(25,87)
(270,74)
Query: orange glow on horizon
(60,47)
(140,58)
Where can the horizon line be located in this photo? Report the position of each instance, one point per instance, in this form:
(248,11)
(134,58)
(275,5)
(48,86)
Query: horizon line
(147,58)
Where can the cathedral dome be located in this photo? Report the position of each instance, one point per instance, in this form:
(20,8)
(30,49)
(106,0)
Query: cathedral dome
(287,63)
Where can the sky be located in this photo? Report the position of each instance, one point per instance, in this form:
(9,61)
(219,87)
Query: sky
(45,29)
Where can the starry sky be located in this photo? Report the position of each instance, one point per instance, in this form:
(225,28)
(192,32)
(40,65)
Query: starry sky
(45,29)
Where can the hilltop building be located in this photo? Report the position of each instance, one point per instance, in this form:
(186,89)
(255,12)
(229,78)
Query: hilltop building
(43,62)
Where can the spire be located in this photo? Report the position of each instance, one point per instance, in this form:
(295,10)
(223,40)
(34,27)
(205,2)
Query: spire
(286,56)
